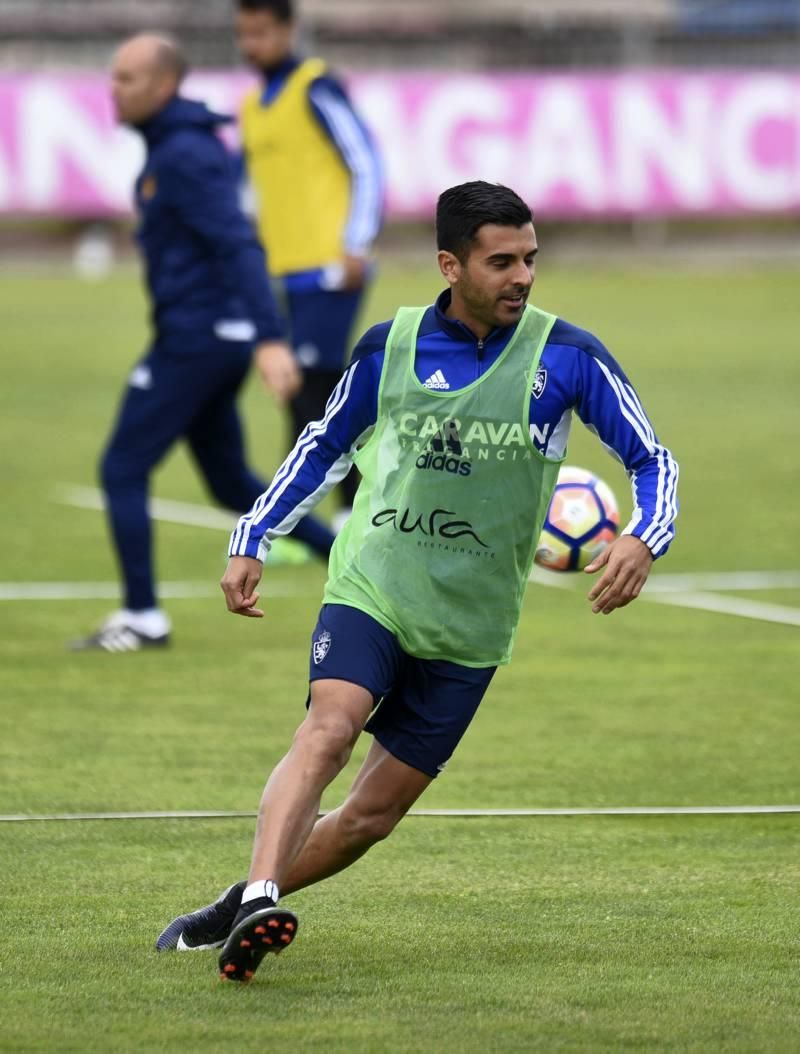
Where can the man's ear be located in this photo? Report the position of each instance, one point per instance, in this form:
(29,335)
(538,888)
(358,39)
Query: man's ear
(449,265)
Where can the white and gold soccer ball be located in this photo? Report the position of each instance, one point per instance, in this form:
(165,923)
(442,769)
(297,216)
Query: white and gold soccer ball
(583,518)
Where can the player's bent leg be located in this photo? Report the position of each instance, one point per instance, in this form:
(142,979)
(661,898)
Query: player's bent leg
(382,793)
(289,807)
(321,748)
(384,790)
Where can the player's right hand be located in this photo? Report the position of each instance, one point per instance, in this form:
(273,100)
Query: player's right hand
(239,582)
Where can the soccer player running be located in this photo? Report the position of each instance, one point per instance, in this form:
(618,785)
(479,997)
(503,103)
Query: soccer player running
(212,313)
(457,415)
(319,197)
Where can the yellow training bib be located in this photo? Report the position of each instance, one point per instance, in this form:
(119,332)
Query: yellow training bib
(301,183)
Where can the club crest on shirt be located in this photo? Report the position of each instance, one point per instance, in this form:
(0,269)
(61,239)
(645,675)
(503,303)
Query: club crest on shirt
(322,645)
(539,382)
(148,188)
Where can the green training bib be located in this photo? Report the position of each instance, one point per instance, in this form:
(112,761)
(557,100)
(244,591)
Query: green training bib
(454,493)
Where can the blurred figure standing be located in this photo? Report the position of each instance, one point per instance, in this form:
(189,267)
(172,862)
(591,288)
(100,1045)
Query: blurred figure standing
(319,190)
(212,310)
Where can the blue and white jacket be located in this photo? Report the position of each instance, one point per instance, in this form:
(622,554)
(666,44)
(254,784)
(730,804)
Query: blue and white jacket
(576,374)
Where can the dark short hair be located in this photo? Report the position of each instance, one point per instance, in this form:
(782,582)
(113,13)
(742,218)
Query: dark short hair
(283,10)
(461,211)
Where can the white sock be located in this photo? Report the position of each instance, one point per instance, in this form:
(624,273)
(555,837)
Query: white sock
(152,622)
(262,887)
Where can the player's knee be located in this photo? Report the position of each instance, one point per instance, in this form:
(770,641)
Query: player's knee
(326,740)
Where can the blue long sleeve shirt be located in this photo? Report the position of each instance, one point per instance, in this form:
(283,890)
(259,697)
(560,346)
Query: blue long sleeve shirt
(576,375)
(205,266)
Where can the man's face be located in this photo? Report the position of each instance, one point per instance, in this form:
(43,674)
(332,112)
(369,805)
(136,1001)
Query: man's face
(496,278)
(263,40)
(139,87)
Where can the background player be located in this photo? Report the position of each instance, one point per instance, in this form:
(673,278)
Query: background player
(319,192)
(427,578)
(211,304)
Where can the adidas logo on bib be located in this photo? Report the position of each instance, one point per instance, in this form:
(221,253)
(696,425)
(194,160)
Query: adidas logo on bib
(437,381)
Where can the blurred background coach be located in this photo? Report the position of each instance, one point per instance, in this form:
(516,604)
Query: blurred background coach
(211,308)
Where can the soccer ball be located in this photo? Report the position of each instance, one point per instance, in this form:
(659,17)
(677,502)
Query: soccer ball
(582,520)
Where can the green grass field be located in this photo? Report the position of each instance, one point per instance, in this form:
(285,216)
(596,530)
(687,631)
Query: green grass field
(583,934)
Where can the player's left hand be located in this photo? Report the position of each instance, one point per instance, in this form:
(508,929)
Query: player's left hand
(627,562)
(278,368)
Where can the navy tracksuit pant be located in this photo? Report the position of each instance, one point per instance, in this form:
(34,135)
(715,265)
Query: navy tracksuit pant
(321,324)
(174,394)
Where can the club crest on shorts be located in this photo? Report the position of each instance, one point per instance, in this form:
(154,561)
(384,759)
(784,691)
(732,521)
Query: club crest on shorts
(322,645)
(539,381)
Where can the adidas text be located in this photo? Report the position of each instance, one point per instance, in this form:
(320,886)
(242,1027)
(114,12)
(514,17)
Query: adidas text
(444,463)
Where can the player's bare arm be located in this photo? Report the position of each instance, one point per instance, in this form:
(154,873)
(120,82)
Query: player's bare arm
(239,582)
(627,563)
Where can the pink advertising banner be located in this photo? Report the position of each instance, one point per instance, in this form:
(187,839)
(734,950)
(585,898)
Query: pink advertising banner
(645,144)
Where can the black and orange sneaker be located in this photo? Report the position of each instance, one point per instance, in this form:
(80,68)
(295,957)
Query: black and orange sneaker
(205,928)
(259,928)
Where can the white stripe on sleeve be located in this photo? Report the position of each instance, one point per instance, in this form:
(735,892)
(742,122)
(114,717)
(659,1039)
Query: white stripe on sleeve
(292,465)
(659,530)
(365,208)
(640,425)
(334,475)
(663,532)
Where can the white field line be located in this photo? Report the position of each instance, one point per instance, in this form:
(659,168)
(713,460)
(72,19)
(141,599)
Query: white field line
(682,590)
(722,605)
(739,580)
(95,590)
(194,515)
(744,581)
(36,591)
(183,512)
(693,591)
(665,810)
(557,579)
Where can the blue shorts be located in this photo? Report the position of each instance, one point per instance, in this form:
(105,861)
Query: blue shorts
(422,706)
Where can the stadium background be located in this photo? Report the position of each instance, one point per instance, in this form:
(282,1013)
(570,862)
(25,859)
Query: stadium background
(588,933)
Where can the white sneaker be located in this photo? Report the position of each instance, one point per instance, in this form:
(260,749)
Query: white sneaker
(127,631)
